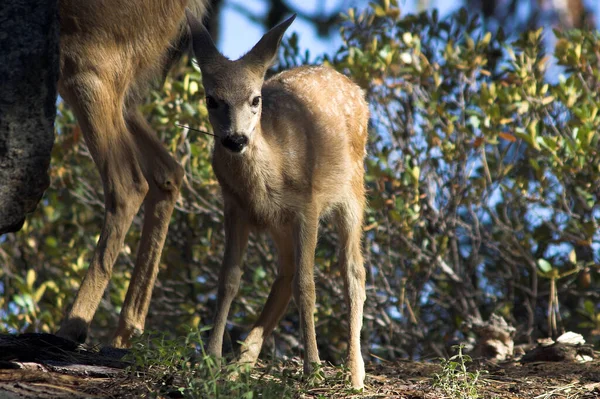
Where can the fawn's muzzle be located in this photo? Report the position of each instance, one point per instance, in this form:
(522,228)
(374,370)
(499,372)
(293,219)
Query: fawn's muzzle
(235,142)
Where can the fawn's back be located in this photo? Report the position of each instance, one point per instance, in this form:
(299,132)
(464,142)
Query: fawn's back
(324,106)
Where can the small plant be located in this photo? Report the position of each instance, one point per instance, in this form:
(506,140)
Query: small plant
(454,380)
(181,366)
(317,376)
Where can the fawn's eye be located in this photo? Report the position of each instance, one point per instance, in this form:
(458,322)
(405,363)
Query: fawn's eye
(211,103)
(256,101)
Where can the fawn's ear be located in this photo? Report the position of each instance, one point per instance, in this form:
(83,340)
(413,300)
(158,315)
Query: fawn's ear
(205,50)
(264,53)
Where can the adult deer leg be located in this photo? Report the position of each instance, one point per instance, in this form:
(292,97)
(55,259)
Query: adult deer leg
(164,176)
(353,271)
(305,239)
(277,302)
(98,107)
(236,239)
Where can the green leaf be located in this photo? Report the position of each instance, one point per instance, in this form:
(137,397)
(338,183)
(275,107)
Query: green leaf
(30,280)
(544,265)
(573,256)
(486,39)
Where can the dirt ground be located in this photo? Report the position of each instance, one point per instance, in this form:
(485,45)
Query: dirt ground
(55,371)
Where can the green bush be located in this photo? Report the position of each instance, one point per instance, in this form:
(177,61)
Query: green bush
(484,175)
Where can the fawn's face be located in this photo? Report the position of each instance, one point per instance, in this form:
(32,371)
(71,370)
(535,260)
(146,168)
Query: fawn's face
(234,103)
(233,88)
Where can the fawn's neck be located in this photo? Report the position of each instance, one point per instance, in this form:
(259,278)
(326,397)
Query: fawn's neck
(249,176)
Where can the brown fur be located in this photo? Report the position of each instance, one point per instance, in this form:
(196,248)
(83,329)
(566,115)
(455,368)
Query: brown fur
(111,50)
(303,160)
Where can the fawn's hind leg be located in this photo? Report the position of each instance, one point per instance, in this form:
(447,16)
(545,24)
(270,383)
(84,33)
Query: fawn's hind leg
(350,219)
(277,302)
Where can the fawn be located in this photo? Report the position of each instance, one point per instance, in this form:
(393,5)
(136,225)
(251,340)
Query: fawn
(287,152)
(110,51)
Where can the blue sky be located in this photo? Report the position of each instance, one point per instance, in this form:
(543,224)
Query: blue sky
(240,34)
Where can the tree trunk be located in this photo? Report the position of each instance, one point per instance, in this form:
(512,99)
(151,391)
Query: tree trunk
(28,76)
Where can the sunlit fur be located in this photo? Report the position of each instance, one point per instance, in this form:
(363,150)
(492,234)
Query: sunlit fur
(303,160)
(110,51)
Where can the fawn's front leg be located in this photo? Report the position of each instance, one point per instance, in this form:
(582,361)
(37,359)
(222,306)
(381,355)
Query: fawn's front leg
(236,239)
(305,239)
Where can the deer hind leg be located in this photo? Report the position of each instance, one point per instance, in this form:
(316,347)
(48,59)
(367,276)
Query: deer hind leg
(98,107)
(164,176)
(305,239)
(350,218)
(277,302)
(236,239)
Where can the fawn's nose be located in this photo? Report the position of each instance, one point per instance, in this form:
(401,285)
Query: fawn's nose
(235,142)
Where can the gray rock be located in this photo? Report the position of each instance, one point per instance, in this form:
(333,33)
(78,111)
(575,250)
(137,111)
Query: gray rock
(28,76)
